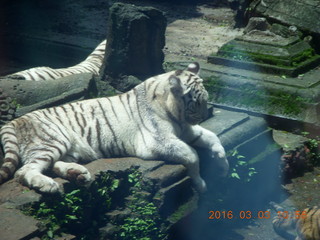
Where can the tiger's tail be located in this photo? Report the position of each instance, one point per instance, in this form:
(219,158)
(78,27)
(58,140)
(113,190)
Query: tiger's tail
(11,152)
(94,61)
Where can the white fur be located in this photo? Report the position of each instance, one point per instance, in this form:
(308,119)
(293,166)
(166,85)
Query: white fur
(149,124)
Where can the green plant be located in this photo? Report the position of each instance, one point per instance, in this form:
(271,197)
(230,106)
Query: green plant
(255,97)
(134,178)
(240,170)
(144,222)
(82,211)
(16,104)
(79,210)
(313,150)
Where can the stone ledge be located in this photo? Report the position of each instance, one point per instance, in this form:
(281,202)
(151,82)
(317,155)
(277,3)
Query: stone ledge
(10,230)
(33,95)
(169,199)
(122,164)
(166,175)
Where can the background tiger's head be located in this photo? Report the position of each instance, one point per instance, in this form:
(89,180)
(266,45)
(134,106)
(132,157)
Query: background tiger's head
(187,87)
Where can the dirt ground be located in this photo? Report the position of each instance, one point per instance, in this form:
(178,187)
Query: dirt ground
(195,31)
(200,35)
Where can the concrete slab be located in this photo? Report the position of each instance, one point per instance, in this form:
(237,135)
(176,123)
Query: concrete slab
(224,120)
(233,128)
(15,225)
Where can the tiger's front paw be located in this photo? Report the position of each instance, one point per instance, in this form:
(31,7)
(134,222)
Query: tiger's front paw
(200,185)
(220,159)
(73,172)
(44,184)
(81,177)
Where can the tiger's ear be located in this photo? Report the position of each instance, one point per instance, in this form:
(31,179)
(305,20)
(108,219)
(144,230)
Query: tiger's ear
(194,68)
(176,86)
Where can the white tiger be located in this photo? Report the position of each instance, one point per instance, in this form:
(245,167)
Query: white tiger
(155,120)
(91,64)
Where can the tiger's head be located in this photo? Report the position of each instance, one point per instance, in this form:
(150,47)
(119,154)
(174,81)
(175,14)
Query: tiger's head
(188,89)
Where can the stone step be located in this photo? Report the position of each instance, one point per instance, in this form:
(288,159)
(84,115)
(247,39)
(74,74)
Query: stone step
(252,139)
(170,198)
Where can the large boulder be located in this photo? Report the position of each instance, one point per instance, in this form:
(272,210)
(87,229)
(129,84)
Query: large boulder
(303,14)
(18,97)
(136,37)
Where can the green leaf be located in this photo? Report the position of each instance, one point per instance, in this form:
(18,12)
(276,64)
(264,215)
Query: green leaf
(235,152)
(50,234)
(241,163)
(235,175)
(115,184)
(72,217)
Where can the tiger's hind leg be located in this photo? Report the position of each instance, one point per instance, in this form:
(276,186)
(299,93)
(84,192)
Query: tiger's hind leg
(72,172)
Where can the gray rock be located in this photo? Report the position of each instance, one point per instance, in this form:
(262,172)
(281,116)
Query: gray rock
(29,95)
(136,37)
(170,198)
(264,51)
(122,164)
(7,107)
(240,6)
(285,31)
(126,83)
(15,225)
(15,195)
(117,215)
(304,14)
(233,127)
(108,232)
(166,175)
(256,23)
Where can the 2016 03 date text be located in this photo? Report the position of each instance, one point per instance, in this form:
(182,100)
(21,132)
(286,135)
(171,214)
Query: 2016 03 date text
(239,215)
(256,214)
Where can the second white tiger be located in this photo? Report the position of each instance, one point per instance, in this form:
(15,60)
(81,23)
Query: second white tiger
(155,120)
(91,64)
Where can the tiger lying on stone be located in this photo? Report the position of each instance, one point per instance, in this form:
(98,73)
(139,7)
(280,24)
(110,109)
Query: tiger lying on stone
(155,120)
